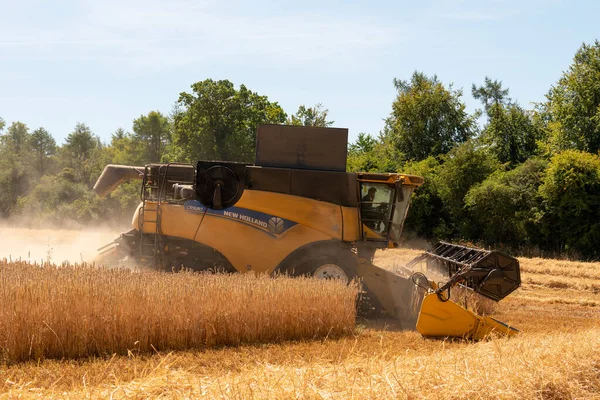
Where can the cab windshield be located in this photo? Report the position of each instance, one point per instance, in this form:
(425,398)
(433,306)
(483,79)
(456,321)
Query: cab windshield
(383,208)
(401,204)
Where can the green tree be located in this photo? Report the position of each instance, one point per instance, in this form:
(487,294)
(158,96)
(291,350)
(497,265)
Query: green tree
(573,104)
(491,93)
(2,124)
(368,154)
(438,207)
(463,167)
(427,118)
(364,143)
(43,146)
(81,142)
(125,149)
(503,208)
(570,193)
(511,133)
(219,122)
(82,152)
(154,132)
(119,134)
(427,216)
(17,137)
(60,201)
(15,165)
(361,154)
(310,116)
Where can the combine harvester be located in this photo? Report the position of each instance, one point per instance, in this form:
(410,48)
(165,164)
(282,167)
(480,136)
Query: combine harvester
(297,211)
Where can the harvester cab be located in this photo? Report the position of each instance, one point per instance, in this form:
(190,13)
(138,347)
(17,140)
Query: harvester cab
(384,201)
(296,210)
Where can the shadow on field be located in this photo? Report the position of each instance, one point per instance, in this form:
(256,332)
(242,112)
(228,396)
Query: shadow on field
(386,324)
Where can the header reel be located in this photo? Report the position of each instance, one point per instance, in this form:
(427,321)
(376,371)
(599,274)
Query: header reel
(490,273)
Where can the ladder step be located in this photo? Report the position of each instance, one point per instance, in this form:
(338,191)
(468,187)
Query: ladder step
(152,196)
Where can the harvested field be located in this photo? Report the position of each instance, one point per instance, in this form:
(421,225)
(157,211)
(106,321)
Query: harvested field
(556,356)
(375,365)
(80,311)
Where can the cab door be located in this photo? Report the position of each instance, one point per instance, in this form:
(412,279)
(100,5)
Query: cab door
(376,207)
(383,208)
(402,199)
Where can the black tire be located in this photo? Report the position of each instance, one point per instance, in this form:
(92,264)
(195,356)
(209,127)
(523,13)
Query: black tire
(337,264)
(199,263)
(189,255)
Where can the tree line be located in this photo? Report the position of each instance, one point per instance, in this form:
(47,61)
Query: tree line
(505,175)
(44,182)
(524,178)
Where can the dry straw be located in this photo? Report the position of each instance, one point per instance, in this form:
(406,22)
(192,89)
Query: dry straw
(73,311)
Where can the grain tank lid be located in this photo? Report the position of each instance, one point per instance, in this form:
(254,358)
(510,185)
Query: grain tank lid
(302,147)
(115,175)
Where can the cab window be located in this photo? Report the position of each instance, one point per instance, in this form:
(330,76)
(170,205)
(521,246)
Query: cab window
(401,204)
(376,206)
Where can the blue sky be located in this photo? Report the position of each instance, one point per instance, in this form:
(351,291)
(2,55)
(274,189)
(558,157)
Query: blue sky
(106,62)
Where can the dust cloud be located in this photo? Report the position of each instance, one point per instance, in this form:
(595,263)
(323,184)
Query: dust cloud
(54,245)
(397,259)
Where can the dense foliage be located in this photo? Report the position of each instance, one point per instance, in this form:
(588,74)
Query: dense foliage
(502,176)
(219,122)
(427,118)
(44,182)
(526,179)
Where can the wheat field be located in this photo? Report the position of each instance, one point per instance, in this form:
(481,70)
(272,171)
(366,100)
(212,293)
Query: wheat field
(75,311)
(556,356)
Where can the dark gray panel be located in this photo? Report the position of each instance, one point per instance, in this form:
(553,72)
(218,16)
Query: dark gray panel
(333,187)
(302,147)
(268,179)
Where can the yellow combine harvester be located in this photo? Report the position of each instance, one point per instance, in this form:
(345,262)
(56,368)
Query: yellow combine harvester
(297,211)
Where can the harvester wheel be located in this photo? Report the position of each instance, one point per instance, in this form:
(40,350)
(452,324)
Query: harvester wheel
(324,267)
(330,271)
(343,267)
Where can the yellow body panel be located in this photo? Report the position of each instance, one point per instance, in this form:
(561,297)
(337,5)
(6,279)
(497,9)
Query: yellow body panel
(247,243)
(319,215)
(370,233)
(350,224)
(448,319)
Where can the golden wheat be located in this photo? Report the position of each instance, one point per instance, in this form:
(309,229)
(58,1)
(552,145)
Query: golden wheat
(73,311)
(556,356)
(561,268)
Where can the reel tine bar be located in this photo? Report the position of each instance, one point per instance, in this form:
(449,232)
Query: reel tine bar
(459,256)
(492,274)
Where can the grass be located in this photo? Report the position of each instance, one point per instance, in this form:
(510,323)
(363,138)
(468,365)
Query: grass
(74,311)
(556,356)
